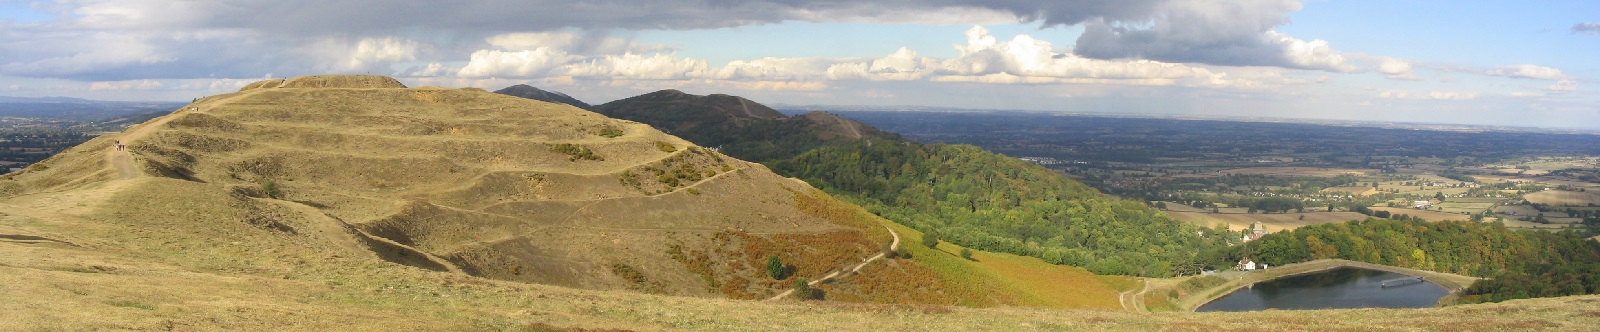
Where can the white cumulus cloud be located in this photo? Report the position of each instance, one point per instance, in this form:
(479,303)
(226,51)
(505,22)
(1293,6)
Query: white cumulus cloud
(795,69)
(902,65)
(1527,71)
(659,66)
(382,51)
(1396,69)
(1026,56)
(529,63)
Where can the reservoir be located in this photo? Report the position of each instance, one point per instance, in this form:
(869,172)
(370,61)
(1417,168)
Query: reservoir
(1340,288)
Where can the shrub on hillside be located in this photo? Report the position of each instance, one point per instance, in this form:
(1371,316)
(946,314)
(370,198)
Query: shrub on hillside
(803,290)
(610,132)
(575,152)
(776,269)
(270,189)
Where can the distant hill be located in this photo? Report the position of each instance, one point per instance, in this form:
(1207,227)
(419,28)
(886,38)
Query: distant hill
(530,92)
(969,196)
(78,109)
(738,126)
(10,100)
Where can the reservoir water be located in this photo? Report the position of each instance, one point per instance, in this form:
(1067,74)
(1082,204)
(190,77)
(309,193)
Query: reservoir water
(1339,288)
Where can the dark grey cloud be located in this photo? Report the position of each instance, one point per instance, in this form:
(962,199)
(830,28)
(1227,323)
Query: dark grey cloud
(1586,27)
(1230,33)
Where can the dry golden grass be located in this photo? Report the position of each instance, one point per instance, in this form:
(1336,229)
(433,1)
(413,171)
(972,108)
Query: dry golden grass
(1055,286)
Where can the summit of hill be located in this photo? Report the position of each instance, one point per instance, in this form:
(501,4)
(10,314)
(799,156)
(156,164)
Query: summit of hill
(739,126)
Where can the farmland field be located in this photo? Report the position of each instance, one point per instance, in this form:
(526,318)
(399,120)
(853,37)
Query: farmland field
(1272,222)
(1563,198)
(1298,171)
(1428,215)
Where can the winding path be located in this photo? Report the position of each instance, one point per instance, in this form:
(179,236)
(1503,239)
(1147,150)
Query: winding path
(893,245)
(122,160)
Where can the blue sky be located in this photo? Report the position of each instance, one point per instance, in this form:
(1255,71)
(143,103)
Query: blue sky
(1470,62)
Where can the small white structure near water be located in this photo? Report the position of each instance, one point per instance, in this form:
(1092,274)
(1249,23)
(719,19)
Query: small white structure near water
(1246,265)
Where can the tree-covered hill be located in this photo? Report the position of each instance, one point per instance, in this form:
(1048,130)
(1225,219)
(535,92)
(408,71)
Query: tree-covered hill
(738,127)
(988,201)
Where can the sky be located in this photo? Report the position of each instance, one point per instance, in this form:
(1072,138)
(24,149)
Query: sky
(1510,63)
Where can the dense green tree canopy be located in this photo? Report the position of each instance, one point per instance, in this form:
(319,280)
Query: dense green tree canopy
(988,201)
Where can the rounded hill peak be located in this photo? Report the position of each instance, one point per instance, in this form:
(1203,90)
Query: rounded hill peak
(330,81)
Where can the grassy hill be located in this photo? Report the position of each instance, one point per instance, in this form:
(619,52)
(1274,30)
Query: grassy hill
(455,180)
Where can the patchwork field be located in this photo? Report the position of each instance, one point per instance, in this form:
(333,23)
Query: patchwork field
(1563,198)
(1468,205)
(1298,171)
(1272,222)
(1428,215)
(1362,191)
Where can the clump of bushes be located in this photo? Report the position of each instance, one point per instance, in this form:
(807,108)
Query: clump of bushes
(665,147)
(930,240)
(270,189)
(803,290)
(776,269)
(637,280)
(610,131)
(576,152)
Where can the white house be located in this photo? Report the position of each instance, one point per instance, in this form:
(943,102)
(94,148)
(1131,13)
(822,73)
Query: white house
(1246,265)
